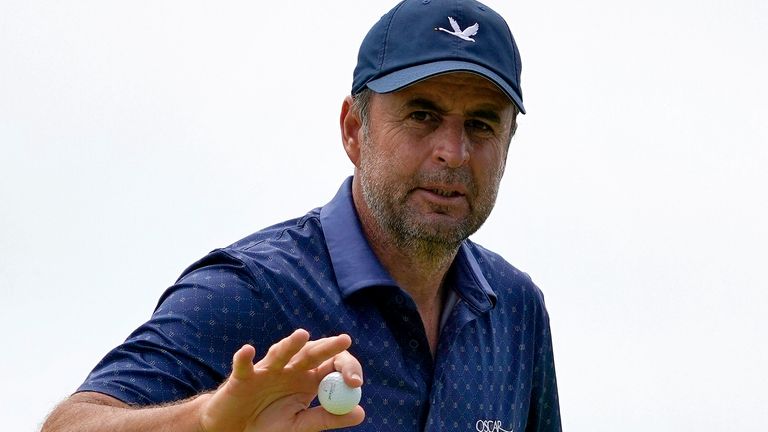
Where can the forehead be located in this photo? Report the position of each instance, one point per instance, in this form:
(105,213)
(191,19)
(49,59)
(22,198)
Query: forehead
(467,87)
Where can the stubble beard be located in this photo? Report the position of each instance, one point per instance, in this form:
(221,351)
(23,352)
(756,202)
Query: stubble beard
(402,224)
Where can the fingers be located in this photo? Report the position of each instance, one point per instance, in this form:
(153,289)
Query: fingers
(350,368)
(314,353)
(242,362)
(281,386)
(347,364)
(283,351)
(299,353)
(317,418)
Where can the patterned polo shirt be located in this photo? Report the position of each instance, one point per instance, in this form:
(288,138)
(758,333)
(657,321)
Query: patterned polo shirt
(493,370)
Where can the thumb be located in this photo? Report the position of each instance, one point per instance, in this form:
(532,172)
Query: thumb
(242,362)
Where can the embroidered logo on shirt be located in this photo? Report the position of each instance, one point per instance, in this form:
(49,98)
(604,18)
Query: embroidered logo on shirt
(465,34)
(490,426)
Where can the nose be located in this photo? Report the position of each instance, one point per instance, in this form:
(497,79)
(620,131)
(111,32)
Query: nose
(451,144)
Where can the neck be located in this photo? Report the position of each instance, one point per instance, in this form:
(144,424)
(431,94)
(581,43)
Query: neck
(420,271)
(419,267)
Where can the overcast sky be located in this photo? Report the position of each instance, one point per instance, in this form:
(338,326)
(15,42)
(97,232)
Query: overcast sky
(137,136)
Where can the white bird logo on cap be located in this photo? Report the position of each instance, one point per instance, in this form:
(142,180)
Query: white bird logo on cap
(465,34)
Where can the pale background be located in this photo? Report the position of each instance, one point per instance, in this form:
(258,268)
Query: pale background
(136,136)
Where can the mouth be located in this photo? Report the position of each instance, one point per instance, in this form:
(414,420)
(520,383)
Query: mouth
(442,199)
(447,193)
(444,194)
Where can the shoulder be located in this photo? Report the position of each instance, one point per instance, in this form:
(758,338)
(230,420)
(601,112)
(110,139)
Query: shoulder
(495,268)
(272,258)
(285,243)
(507,281)
(289,233)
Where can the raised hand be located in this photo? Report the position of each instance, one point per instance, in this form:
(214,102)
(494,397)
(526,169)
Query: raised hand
(275,393)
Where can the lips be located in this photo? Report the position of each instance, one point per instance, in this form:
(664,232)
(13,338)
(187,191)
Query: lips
(445,192)
(445,189)
(442,194)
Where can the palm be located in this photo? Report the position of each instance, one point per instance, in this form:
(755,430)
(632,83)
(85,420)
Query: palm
(285,414)
(274,394)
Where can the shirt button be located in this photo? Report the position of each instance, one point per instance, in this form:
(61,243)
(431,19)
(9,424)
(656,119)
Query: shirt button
(414,343)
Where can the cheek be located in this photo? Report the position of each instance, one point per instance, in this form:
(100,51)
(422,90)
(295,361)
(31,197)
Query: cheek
(490,164)
(396,160)
(377,165)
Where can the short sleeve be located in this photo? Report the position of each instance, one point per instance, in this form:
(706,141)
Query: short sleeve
(186,347)
(544,414)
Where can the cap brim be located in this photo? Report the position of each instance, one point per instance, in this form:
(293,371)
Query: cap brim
(405,77)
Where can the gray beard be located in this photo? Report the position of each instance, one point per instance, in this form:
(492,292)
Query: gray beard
(427,241)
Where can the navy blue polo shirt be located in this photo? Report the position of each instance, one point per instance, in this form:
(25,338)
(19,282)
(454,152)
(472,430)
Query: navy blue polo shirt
(493,370)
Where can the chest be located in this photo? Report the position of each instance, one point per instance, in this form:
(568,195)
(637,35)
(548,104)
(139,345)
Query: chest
(480,375)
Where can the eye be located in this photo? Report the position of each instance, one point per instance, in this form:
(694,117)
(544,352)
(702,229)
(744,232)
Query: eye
(421,116)
(479,126)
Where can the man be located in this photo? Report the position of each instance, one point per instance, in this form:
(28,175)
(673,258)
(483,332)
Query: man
(445,334)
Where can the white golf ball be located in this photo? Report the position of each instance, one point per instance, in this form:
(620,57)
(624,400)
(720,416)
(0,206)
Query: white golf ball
(336,396)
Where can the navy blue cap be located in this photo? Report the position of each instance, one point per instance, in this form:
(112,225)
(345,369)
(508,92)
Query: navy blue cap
(419,39)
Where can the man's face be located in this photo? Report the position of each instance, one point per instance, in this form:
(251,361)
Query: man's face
(433,157)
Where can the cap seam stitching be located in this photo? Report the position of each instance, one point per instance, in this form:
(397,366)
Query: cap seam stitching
(385,45)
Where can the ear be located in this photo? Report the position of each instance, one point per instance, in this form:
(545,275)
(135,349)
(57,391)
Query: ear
(351,125)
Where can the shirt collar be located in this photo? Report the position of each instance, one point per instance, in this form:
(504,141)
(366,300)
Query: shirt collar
(356,266)
(354,263)
(470,282)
